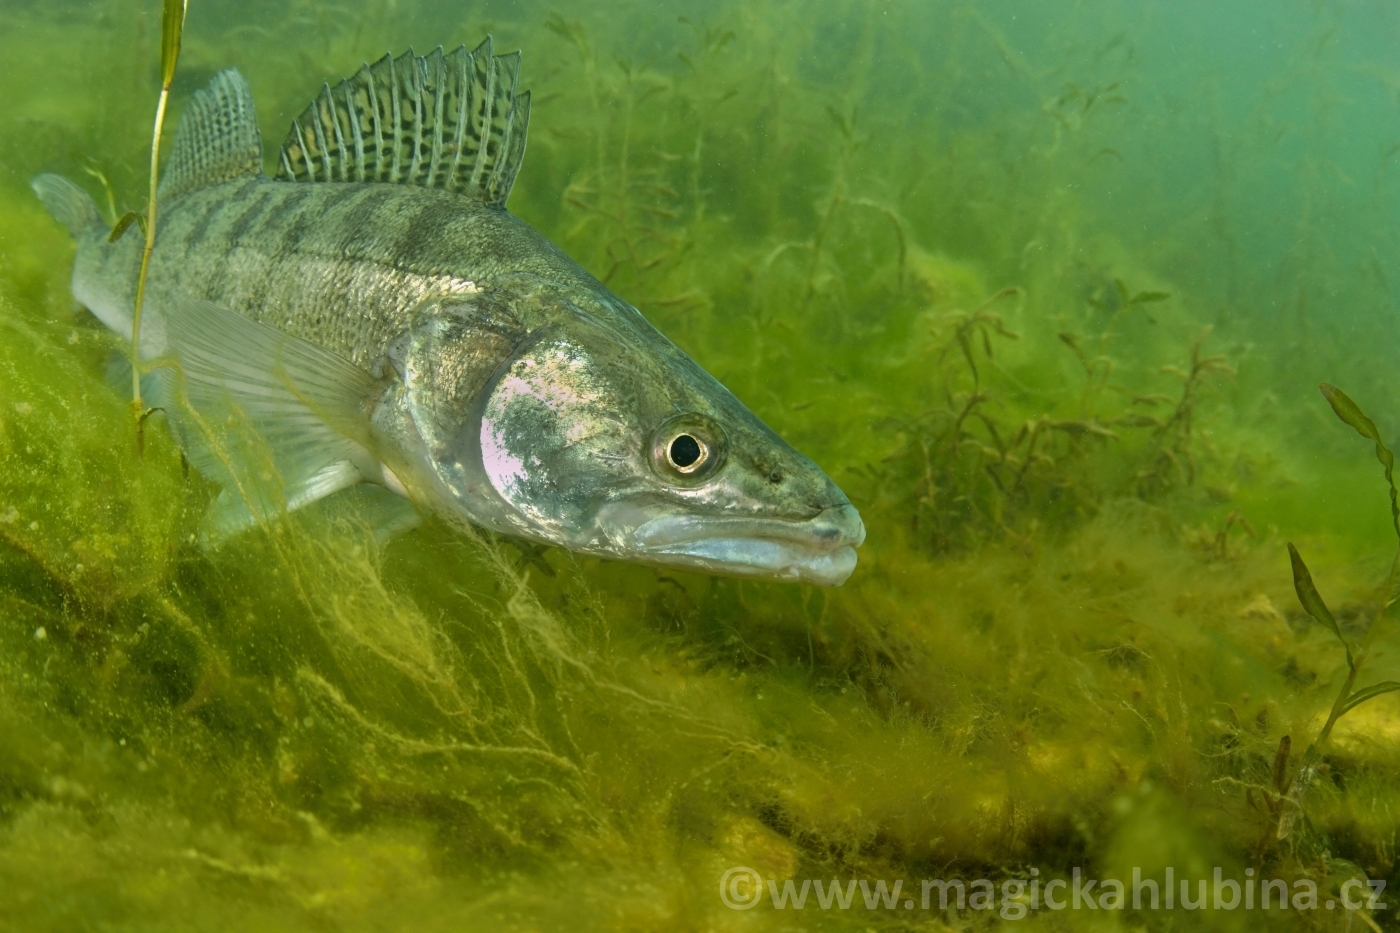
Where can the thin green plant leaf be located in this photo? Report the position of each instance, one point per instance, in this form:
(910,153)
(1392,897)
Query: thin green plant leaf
(172,31)
(106,187)
(1142,298)
(1369,693)
(1312,600)
(1352,414)
(127,219)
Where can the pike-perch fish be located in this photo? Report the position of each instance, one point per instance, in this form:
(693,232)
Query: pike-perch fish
(376,316)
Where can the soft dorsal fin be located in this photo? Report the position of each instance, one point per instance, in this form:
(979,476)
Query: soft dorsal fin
(218,137)
(446,121)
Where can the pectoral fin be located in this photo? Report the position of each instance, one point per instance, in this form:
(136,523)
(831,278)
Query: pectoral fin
(279,421)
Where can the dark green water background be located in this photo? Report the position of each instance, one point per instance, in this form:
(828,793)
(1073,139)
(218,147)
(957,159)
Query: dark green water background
(1048,288)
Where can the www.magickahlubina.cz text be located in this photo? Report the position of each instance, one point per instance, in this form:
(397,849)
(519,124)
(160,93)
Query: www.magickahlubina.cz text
(743,888)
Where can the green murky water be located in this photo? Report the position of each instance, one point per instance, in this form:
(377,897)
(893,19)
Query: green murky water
(1047,290)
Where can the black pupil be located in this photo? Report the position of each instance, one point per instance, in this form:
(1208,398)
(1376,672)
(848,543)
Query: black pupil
(685,450)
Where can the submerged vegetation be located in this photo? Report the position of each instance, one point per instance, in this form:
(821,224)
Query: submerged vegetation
(172,29)
(935,247)
(1287,810)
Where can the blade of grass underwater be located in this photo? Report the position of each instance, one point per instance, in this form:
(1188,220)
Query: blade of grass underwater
(1285,749)
(1143,298)
(1369,693)
(1351,413)
(129,218)
(172,29)
(1312,600)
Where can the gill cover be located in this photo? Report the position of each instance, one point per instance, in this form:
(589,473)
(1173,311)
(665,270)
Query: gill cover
(550,439)
(516,422)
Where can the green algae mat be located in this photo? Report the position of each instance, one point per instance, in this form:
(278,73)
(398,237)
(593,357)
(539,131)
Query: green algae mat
(1049,292)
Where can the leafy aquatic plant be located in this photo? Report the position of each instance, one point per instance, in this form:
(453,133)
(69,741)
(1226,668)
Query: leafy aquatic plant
(1172,436)
(991,461)
(1286,805)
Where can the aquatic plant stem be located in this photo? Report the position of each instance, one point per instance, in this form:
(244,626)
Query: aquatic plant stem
(146,250)
(171,31)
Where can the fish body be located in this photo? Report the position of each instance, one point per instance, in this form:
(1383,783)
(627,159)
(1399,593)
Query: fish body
(343,265)
(380,317)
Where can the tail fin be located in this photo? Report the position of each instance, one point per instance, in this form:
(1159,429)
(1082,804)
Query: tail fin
(70,205)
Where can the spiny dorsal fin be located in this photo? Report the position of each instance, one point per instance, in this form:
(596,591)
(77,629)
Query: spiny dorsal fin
(218,137)
(446,121)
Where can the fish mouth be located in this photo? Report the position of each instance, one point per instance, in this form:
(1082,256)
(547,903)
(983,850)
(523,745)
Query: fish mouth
(820,550)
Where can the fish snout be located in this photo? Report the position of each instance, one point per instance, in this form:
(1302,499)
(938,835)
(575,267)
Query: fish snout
(838,526)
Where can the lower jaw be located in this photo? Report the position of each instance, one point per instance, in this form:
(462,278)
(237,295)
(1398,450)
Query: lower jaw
(760,558)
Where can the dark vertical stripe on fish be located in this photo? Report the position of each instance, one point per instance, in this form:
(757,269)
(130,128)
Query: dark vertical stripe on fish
(251,215)
(299,210)
(361,220)
(426,227)
(199,230)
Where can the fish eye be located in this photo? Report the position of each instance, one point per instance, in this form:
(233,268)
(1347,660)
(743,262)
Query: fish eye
(686,453)
(687,448)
